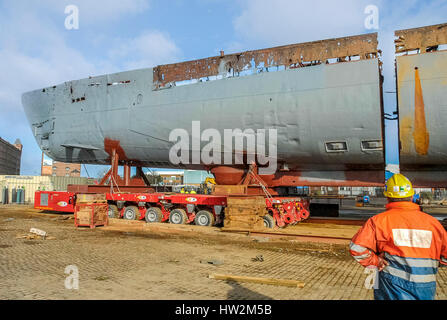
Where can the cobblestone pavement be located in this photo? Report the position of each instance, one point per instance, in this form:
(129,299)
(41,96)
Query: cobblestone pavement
(160,265)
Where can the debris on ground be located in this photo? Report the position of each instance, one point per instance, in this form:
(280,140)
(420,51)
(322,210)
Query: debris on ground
(212,261)
(39,232)
(102,278)
(33,237)
(63,218)
(271,281)
(35,234)
(8,219)
(173,261)
(258,258)
(261,239)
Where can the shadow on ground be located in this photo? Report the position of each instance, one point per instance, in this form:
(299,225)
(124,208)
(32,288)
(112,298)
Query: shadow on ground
(239,292)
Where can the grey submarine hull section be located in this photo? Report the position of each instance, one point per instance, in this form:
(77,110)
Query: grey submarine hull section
(311,108)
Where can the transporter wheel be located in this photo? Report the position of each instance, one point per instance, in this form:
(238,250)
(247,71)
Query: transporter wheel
(113,211)
(131,213)
(269,222)
(178,216)
(204,218)
(153,214)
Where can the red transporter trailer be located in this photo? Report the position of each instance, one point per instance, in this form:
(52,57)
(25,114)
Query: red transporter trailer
(177,208)
(134,199)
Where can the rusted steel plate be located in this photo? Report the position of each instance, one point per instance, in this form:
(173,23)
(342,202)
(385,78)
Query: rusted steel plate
(294,55)
(423,38)
(422,105)
(422,96)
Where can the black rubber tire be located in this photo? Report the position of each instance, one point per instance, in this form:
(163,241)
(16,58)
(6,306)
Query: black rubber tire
(269,221)
(153,214)
(131,213)
(113,211)
(204,218)
(178,216)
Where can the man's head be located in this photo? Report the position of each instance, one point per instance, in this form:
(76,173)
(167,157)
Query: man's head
(398,188)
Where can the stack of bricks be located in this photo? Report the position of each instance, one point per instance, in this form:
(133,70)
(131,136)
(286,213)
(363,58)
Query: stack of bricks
(245,212)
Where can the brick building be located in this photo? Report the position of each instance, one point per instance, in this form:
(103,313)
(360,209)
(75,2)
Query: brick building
(10,157)
(62,169)
(171,178)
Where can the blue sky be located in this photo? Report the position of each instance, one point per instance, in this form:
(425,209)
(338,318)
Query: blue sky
(36,50)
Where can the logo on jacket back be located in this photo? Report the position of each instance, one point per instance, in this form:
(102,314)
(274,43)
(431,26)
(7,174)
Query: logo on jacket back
(412,238)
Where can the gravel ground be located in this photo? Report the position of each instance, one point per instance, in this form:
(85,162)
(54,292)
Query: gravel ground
(138,262)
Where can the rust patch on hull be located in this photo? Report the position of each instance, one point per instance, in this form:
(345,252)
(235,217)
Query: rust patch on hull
(406,127)
(420,134)
(423,39)
(290,56)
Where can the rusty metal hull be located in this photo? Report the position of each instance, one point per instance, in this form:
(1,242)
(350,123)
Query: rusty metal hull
(79,121)
(422,96)
(421,75)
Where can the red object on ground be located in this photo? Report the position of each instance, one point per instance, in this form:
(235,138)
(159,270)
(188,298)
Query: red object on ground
(54,201)
(91,215)
(284,210)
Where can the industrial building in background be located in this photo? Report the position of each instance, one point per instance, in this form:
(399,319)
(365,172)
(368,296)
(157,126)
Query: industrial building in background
(61,169)
(170,178)
(9,184)
(10,156)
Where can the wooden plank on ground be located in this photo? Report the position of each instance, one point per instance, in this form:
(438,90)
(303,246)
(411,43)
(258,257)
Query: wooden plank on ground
(271,281)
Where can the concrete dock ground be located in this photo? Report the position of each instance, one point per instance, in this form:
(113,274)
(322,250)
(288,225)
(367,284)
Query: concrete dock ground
(134,260)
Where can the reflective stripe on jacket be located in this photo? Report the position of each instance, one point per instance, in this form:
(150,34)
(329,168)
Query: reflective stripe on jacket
(414,244)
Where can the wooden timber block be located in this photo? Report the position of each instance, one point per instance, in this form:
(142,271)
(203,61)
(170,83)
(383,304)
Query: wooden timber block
(245,212)
(271,281)
(224,190)
(91,198)
(91,214)
(251,218)
(246,200)
(250,223)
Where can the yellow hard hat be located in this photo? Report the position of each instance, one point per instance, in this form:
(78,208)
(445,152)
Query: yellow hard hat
(398,186)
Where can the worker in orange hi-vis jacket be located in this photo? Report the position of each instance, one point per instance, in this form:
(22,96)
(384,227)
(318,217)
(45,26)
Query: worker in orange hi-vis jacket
(405,244)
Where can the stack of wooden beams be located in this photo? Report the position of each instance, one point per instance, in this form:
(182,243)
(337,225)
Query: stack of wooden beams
(245,212)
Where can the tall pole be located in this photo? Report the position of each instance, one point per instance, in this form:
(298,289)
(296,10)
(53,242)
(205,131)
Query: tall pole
(41,166)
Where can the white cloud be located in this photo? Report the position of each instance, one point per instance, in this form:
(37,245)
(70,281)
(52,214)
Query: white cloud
(94,11)
(285,21)
(36,51)
(149,49)
(34,55)
(397,15)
